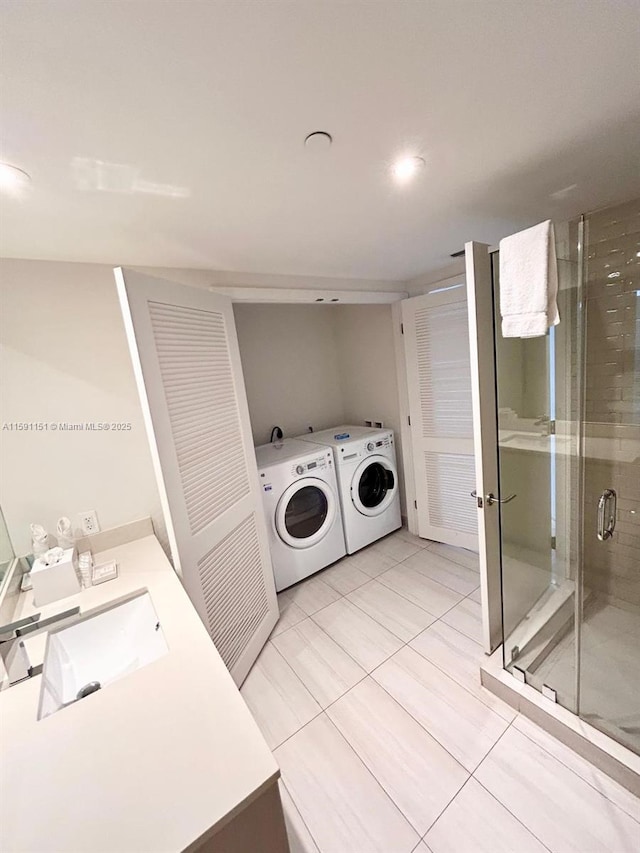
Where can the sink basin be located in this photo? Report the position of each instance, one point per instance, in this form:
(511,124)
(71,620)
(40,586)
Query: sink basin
(99,649)
(523,437)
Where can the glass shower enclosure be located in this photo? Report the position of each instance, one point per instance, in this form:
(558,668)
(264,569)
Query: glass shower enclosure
(569,447)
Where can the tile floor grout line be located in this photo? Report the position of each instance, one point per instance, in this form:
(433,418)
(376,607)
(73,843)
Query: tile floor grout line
(514,816)
(286,662)
(297,731)
(444,556)
(297,677)
(449,675)
(397,592)
(477,767)
(426,612)
(457,592)
(504,805)
(368,673)
(432,736)
(341,647)
(295,805)
(420,550)
(373,776)
(419,606)
(376,578)
(405,643)
(464,784)
(464,687)
(575,772)
(422,726)
(442,583)
(320,628)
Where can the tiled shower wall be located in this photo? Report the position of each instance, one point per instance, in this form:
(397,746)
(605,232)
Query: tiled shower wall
(612,398)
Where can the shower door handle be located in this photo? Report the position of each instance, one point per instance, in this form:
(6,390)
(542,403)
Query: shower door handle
(607,508)
(493,500)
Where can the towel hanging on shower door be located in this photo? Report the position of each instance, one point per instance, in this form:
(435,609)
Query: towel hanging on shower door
(529,282)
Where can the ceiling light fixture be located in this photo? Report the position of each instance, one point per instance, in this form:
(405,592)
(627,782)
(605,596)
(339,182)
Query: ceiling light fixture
(319,140)
(12,179)
(407,168)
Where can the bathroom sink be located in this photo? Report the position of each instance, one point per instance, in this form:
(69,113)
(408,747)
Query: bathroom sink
(99,649)
(523,437)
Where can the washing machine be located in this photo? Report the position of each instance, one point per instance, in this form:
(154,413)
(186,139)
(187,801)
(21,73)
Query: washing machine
(302,508)
(367,473)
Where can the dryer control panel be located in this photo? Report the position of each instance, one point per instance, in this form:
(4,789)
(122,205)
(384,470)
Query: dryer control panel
(311,466)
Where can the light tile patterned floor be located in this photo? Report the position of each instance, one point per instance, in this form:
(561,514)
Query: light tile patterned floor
(368,692)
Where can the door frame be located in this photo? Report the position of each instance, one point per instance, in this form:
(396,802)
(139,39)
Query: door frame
(406,446)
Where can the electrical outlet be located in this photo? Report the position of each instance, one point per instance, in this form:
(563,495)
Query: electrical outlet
(89,522)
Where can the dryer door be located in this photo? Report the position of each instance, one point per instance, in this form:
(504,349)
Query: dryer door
(306,512)
(374,485)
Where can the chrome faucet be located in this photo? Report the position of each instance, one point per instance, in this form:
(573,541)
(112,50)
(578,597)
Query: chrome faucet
(12,650)
(550,426)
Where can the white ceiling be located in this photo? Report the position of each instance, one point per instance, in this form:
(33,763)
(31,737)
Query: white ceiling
(170,132)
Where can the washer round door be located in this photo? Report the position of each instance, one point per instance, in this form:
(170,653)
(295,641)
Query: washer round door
(373,486)
(305,513)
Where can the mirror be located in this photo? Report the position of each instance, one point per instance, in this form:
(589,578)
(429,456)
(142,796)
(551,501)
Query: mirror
(7,554)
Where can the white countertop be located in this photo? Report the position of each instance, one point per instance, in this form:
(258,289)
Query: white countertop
(149,763)
(609,449)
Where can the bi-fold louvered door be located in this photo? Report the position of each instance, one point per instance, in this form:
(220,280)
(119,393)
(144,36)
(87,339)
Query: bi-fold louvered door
(436,338)
(185,354)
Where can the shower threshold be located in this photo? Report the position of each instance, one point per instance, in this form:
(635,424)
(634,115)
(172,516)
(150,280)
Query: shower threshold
(545,625)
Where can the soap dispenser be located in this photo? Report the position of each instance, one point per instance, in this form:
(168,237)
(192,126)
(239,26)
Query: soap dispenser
(39,540)
(65,533)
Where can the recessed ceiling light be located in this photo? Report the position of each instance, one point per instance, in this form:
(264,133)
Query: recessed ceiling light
(319,140)
(12,179)
(406,168)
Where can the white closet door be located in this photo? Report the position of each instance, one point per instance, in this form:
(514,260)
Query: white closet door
(185,354)
(436,339)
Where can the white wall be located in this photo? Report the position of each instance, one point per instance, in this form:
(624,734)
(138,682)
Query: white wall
(64,359)
(290,364)
(364,335)
(316,365)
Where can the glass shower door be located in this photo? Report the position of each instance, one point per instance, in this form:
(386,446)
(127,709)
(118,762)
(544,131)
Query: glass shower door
(609,651)
(538,382)
(569,447)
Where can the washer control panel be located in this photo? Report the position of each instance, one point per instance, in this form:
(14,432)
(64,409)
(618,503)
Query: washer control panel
(356,450)
(377,443)
(310,466)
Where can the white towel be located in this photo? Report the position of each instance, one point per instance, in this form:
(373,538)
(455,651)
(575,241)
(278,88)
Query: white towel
(529,282)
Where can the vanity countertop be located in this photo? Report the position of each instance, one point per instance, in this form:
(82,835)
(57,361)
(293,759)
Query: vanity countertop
(154,761)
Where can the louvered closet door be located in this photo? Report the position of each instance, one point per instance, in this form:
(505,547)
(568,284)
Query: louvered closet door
(436,339)
(185,354)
